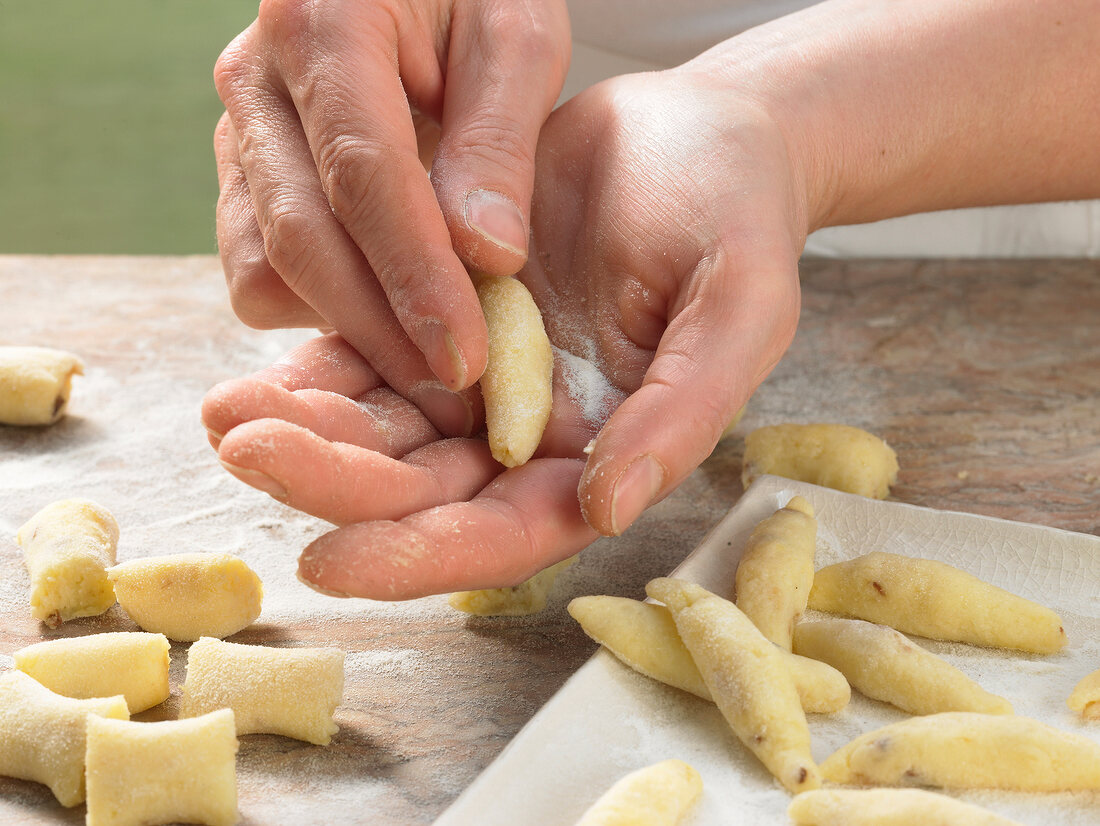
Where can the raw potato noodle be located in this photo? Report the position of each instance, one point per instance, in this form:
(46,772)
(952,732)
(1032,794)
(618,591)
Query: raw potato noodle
(832,455)
(887,807)
(657,795)
(643,635)
(1085,699)
(67,548)
(885,665)
(174,771)
(747,677)
(517,384)
(42,734)
(287,691)
(187,596)
(967,750)
(529,597)
(776,571)
(935,600)
(131,663)
(35,383)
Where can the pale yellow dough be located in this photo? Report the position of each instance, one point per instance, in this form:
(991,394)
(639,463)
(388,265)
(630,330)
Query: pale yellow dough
(887,807)
(187,596)
(935,600)
(131,663)
(1085,698)
(42,734)
(287,691)
(832,455)
(657,795)
(35,384)
(529,597)
(174,771)
(67,548)
(517,384)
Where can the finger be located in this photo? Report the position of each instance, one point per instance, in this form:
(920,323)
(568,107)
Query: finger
(523,522)
(715,352)
(484,165)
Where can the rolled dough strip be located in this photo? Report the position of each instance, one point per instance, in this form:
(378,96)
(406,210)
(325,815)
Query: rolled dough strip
(529,597)
(35,384)
(887,807)
(657,795)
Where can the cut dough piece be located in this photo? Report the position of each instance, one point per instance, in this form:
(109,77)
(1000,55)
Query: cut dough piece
(67,548)
(832,455)
(885,665)
(643,635)
(131,663)
(967,750)
(887,807)
(35,383)
(776,571)
(42,734)
(935,600)
(1085,698)
(517,384)
(657,795)
(174,771)
(529,597)
(287,691)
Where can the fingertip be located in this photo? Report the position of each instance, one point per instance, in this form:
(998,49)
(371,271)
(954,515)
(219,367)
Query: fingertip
(613,497)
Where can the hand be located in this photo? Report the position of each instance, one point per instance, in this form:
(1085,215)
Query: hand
(326,216)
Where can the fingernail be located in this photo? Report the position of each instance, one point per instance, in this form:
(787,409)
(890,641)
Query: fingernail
(441,339)
(452,412)
(634,490)
(496,219)
(258,480)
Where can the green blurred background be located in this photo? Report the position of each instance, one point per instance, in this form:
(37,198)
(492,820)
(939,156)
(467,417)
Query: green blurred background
(107,109)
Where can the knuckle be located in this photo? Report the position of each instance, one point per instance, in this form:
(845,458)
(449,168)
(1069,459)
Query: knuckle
(492,140)
(287,235)
(349,167)
(233,66)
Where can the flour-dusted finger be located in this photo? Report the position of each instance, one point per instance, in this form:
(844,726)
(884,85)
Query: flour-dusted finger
(887,807)
(35,384)
(657,795)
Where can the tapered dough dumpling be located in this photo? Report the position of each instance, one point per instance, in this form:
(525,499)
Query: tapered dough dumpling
(657,795)
(35,384)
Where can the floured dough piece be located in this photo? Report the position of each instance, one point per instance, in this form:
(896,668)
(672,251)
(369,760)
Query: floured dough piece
(67,548)
(968,750)
(187,596)
(832,455)
(657,795)
(131,663)
(42,734)
(287,691)
(35,383)
(1085,699)
(887,807)
(935,600)
(643,635)
(529,597)
(517,384)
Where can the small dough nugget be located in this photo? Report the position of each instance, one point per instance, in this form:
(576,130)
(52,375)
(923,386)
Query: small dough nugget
(529,597)
(131,663)
(887,807)
(885,665)
(658,795)
(968,750)
(287,691)
(935,600)
(747,677)
(832,455)
(643,635)
(35,383)
(517,384)
(42,734)
(776,571)
(67,548)
(1085,698)
(187,596)
(175,771)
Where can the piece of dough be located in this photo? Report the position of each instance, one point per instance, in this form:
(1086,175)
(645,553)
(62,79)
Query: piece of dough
(643,635)
(968,750)
(131,663)
(287,691)
(529,597)
(35,383)
(1085,698)
(42,734)
(657,795)
(885,665)
(173,771)
(67,548)
(935,600)
(517,384)
(887,807)
(187,596)
(746,676)
(776,571)
(832,455)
